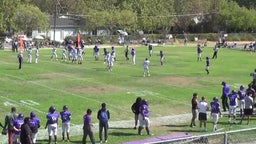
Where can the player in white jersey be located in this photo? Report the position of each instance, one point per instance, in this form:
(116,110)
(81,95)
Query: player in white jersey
(36,55)
(29,55)
(111,60)
(146,67)
(54,54)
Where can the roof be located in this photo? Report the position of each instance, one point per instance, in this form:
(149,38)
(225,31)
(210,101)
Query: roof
(66,22)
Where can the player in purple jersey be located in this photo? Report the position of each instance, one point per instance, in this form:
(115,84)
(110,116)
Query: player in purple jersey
(65,117)
(144,117)
(232,105)
(52,124)
(16,128)
(215,112)
(225,93)
(34,123)
(199,52)
(88,127)
(241,95)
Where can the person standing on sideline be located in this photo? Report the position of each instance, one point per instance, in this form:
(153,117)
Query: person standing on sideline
(194,103)
(144,118)
(253,74)
(133,53)
(150,50)
(88,127)
(9,118)
(29,55)
(146,67)
(199,52)
(203,107)
(241,96)
(232,105)
(207,67)
(126,53)
(215,51)
(20,59)
(36,55)
(103,117)
(65,117)
(215,113)
(225,93)
(52,124)
(161,57)
(17,127)
(26,132)
(135,109)
(34,124)
(248,110)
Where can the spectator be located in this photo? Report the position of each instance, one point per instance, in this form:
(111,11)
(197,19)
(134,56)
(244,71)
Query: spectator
(65,117)
(9,118)
(34,124)
(225,93)
(26,133)
(161,57)
(88,127)
(203,107)
(20,59)
(103,117)
(248,110)
(135,109)
(194,103)
(199,52)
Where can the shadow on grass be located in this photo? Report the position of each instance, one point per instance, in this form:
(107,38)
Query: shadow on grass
(122,134)
(176,125)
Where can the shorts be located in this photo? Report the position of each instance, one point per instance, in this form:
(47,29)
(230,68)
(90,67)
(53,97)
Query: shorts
(194,113)
(16,138)
(66,127)
(52,129)
(202,116)
(232,110)
(248,111)
(215,117)
(143,122)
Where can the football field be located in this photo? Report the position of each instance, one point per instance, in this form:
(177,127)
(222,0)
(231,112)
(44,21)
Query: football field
(168,90)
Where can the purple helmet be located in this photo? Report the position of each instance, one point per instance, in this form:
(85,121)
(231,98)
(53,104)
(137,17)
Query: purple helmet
(65,107)
(215,98)
(32,114)
(52,109)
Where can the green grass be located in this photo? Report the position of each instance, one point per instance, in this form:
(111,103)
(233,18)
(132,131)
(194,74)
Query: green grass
(168,90)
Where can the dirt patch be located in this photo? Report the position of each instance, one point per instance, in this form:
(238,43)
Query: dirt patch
(96,89)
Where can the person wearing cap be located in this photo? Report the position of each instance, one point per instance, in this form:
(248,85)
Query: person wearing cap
(232,105)
(17,128)
(203,107)
(34,124)
(215,112)
(241,96)
(65,117)
(225,93)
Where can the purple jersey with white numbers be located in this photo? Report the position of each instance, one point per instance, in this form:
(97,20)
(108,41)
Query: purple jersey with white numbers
(34,124)
(215,107)
(241,94)
(232,99)
(65,116)
(145,108)
(52,118)
(17,124)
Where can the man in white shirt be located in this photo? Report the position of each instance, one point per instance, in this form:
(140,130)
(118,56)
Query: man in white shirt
(203,107)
